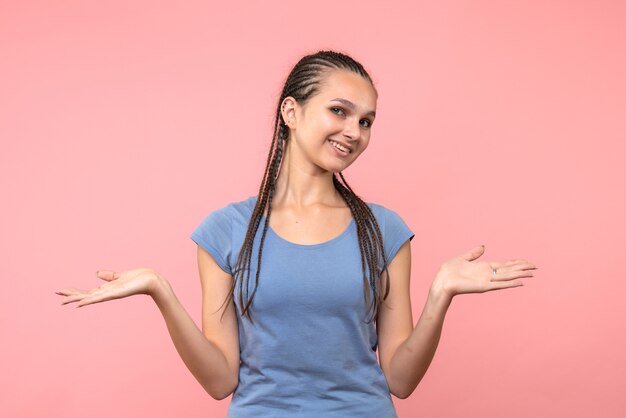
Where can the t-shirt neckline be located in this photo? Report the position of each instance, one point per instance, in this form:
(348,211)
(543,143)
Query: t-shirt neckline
(271,232)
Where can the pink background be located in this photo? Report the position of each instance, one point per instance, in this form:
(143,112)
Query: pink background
(122,124)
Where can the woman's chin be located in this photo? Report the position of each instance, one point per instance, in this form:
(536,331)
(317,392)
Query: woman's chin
(337,168)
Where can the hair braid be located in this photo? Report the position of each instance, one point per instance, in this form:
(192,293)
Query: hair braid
(370,243)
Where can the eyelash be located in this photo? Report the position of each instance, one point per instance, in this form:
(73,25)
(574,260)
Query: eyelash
(369,122)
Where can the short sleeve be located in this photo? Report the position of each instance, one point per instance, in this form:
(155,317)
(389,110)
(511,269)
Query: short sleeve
(214,234)
(396,233)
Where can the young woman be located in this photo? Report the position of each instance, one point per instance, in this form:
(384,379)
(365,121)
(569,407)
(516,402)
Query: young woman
(303,282)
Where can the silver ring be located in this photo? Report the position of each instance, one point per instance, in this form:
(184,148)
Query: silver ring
(494,272)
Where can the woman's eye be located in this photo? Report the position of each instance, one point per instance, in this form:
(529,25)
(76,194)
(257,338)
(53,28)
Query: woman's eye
(366,123)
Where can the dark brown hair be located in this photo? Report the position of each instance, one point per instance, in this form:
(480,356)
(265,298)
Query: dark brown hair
(302,84)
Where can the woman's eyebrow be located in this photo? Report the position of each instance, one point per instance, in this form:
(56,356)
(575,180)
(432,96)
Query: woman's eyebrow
(353,106)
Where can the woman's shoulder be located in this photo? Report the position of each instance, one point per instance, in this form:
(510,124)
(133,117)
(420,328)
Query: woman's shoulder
(236,209)
(380,210)
(243,205)
(227,217)
(387,217)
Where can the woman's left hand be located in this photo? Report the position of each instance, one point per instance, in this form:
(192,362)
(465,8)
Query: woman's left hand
(463,274)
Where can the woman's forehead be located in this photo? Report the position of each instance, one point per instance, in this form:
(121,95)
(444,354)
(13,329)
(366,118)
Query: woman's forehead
(349,86)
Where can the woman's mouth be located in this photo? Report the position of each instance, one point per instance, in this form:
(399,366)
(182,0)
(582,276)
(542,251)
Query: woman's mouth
(341,150)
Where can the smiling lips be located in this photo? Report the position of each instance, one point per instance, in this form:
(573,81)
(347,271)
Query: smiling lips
(340,147)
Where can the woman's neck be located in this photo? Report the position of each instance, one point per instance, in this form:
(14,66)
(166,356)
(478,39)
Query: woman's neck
(301,185)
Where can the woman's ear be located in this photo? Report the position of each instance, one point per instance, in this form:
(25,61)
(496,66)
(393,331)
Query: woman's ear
(288,111)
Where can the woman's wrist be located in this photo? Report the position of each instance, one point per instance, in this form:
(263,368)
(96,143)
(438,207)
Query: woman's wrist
(438,293)
(160,288)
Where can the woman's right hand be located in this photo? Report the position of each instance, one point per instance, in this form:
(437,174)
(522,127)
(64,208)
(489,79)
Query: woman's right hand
(118,285)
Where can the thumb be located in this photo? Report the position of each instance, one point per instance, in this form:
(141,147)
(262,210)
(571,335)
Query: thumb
(107,275)
(474,253)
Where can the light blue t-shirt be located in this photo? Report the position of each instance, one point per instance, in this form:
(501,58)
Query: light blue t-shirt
(309,352)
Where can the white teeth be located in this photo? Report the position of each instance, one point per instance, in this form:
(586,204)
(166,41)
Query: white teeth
(337,145)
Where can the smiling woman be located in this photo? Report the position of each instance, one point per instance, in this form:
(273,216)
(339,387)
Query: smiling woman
(292,319)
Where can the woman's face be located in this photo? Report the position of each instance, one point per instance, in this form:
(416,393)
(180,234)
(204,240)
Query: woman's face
(333,128)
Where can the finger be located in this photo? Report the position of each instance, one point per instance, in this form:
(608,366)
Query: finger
(520,267)
(107,275)
(71,299)
(512,266)
(74,296)
(520,263)
(526,266)
(511,263)
(93,299)
(474,253)
(78,295)
(505,285)
(69,291)
(510,275)
(83,302)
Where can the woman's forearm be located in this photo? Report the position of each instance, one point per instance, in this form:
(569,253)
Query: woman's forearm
(204,359)
(413,357)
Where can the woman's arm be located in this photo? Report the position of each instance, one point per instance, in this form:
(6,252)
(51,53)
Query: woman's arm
(216,369)
(406,352)
(412,357)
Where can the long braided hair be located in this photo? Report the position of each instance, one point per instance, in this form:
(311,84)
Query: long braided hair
(302,84)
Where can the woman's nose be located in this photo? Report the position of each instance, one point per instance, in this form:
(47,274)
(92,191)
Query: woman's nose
(352,129)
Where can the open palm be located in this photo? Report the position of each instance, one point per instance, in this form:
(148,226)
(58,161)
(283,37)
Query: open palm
(463,274)
(118,285)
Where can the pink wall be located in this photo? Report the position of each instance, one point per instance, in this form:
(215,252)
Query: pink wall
(122,124)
